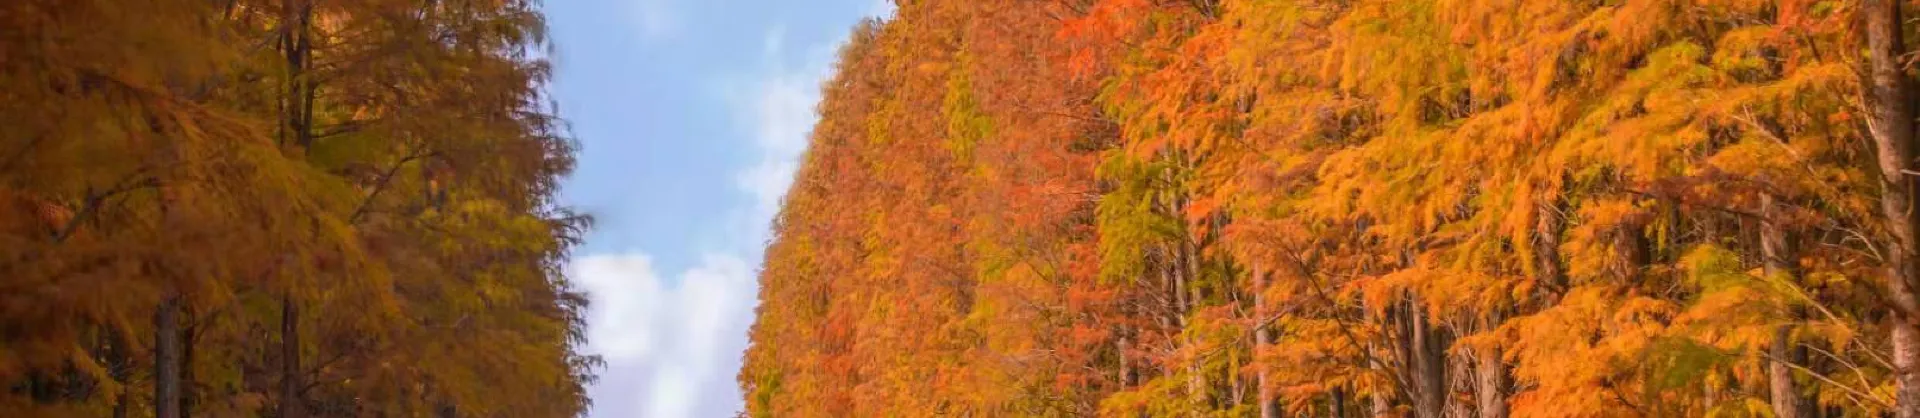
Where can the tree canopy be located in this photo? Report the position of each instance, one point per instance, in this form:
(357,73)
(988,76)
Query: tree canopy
(283,208)
(1431,208)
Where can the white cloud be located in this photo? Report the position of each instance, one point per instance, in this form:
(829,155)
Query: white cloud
(779,105)
(656,19)
(672,347)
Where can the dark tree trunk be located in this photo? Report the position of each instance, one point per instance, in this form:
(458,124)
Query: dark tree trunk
(291,383)
(1427,362)
(297,44)
(166,359)
(120,368)
(1337,402)
(1421,353)
(187,391)
(1890,122)
(1120,348)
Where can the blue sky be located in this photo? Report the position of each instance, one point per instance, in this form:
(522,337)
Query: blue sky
(691,115)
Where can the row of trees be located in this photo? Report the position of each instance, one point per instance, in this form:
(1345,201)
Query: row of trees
(1431,208)
(283,208)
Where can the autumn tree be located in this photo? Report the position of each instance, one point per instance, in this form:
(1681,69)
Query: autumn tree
(286,208)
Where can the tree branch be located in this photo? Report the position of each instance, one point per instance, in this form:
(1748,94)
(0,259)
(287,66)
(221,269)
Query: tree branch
(386,178)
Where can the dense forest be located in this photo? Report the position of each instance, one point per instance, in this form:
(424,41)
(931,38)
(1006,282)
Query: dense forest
(283,208)
(1344,208)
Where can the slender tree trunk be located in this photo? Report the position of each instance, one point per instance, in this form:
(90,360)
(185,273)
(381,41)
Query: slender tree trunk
(1337,402)
(1428,366)
(1262,337)
(166,359)
(122,404)
(1459,381)
(1184,272)
(296,42)
(1546,247)
(120,367)
(291,383)
(1890,122)
(1381,398)
(187,391)
(1382,403)
(1778,258)
(1788,402)
(1120,348)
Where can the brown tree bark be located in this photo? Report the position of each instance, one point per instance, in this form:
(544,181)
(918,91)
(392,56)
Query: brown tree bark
(296,42)
(1337,402)
(1420,351)
(1382,403)
(291,383)
(1429,362)
(1890,123)
(166,359)
(120,368)
(1492,378)
(1460,382)
(1262,337)
(1120,348)
(1778,259)
(187,391)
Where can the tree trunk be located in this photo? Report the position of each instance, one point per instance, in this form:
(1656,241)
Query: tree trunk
(1429,367)
(1262,337)
(1788,402)
(296,43)
(1492,379)
(1459,381)
(1198,386)
(1890,122)
(1778,257)
(1337,402)
(120,367)
(1546,248)
(291,385)
(187,391)
(166,359)
(1382,403)
(1422,355)
(1126,368)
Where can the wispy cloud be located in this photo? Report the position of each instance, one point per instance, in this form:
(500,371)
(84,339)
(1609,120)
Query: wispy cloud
(657,20)
(673,342)
(779,105)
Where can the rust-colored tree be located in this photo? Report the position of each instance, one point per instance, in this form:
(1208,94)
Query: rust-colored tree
(283,208)
(1434,208)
